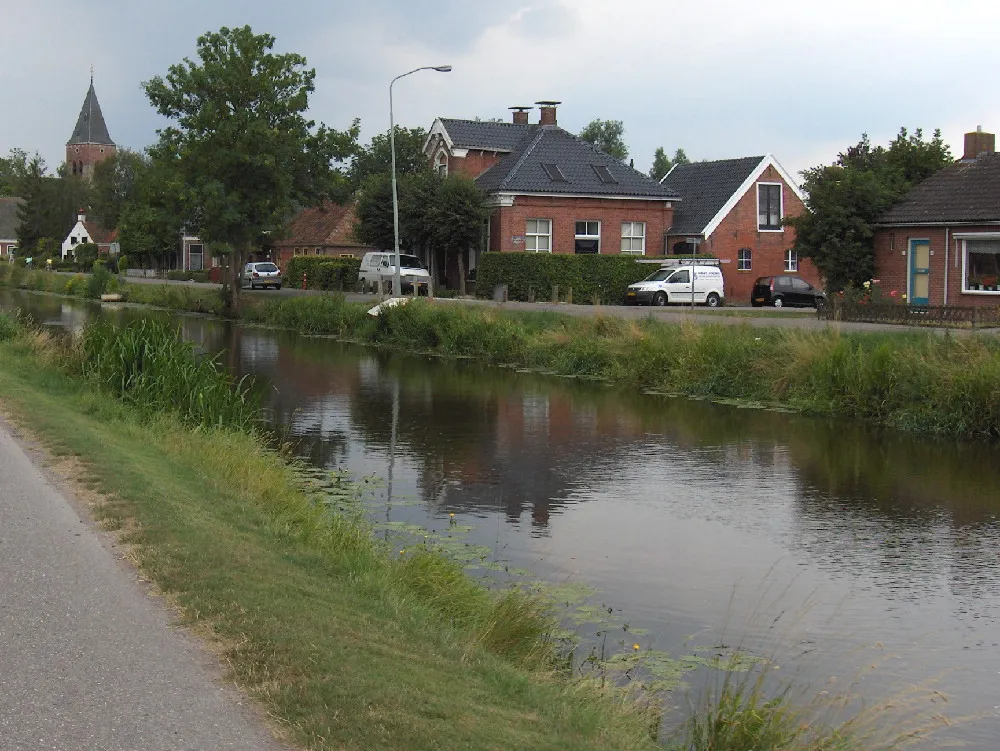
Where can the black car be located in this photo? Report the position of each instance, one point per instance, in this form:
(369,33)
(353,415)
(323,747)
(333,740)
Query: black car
(786,290)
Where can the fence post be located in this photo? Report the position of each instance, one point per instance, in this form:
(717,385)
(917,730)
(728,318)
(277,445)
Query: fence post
(531,294)
(569,294)
(555,293)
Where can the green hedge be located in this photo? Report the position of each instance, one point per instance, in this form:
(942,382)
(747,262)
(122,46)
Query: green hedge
(179,275)
(322,272)
(593,277)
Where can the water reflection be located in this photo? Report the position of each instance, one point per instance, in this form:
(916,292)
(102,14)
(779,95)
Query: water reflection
(665,504)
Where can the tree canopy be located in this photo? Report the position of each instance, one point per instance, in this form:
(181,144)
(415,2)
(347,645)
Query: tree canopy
(246,154)
(661,164)
(15,169)
(115,184)
(50,206)
(847,197)
(376,157)
(608,136)
(435,213)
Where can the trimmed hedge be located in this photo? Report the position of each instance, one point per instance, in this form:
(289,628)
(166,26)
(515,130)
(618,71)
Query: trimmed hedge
(179,275)
(322,272)
(593,277)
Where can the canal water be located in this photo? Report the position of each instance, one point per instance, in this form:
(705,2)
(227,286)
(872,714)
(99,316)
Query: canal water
(857,560)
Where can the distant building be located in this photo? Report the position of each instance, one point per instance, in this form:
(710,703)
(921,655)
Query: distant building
(324,230)
(8,226)
(90,143)
(85,231)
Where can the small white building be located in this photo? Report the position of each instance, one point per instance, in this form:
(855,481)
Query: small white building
(85,231)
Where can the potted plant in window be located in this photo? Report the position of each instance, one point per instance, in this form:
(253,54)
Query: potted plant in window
(990,283)
(973,283)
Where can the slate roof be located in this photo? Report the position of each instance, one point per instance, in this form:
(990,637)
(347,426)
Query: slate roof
(8,218)
(527,169)
(705,188)
(488,136)
(90,126)
(963,192)
(327,224)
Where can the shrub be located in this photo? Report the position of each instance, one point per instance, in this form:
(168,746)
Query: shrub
(97,283)
(85,254)
(323,272)
(593,278)
(178,275)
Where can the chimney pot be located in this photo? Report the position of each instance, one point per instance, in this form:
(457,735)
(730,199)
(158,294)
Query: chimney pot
(548,112)
(978,143)
(521,114)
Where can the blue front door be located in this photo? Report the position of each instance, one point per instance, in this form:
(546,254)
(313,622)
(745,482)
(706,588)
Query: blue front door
(920,272)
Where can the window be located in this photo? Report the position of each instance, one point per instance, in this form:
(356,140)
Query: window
(769,207)
(791,260)
(634,237)
(604,174)
(73,240)
(588,237)
(744,260)
(196,258)
(555,174)
(680,277)
(441,164)
(982,264)
(538,237)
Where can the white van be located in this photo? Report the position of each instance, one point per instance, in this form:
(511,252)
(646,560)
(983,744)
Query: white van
(672,284)
(377,266)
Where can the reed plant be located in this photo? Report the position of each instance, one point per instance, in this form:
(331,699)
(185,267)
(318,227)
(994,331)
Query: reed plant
(148,365)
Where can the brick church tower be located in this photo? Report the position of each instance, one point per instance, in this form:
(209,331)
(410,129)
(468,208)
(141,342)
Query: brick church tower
(90,142)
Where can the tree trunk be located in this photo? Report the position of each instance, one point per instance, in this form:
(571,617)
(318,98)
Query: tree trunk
(231,292)
(461,273)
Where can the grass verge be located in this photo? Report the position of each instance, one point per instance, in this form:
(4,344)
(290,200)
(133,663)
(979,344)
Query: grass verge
(348,645)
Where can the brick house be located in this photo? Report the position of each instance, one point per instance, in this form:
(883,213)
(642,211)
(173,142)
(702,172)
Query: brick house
(734,209)
(90,143)
(941,243)
(9,223)
(89,231)
(325,230)
(550,191)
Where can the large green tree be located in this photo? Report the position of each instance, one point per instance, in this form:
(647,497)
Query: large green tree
(15,169)
(661,164)
(376,157)
(847,197)
(608,136)
(246,152)
(50,206)
(435,213)
(115,184)
(152,216)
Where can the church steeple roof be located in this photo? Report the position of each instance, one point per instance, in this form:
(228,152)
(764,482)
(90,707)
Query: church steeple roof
(90,126)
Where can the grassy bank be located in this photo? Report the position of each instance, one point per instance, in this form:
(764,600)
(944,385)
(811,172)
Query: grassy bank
(912,381)
(346,643)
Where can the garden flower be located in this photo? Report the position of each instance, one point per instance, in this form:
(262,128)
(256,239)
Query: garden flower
(635,646)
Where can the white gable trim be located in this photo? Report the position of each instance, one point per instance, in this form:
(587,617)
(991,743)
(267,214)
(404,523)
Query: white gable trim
(437,129)
(767,161)
(672,168)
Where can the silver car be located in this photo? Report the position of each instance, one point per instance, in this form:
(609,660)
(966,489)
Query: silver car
(261,274)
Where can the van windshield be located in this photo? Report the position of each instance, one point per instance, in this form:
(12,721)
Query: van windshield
(658,276)
(410,262)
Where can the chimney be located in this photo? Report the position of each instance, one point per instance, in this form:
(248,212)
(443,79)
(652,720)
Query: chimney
(81,215)
(520,114)
(548,113)
(978,143)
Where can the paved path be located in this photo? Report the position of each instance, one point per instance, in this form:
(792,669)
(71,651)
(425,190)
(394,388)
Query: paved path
(88,659)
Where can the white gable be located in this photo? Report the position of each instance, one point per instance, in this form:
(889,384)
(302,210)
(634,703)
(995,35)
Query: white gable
(76,236)
(767,161)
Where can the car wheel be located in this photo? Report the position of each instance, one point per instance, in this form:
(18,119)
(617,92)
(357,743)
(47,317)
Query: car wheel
(660,299)
(778,302)
(819,303)
(277,286)
(712,300)
(253,286)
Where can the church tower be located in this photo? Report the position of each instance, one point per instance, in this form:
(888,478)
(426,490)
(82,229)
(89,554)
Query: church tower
(90,142)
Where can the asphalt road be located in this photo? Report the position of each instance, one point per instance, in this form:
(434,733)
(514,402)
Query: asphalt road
(88,658)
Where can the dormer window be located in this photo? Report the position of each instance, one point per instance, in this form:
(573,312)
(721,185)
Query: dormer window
(441,164)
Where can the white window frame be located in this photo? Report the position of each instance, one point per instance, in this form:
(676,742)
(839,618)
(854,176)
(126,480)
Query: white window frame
(577,236)
(781,207)
(746,265)
(964,239)
(631,237)
(441,163)
(200,254)
(791,261)
(533,237)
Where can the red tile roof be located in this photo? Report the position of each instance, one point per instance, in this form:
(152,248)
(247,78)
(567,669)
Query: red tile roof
(327,224)
(99,234)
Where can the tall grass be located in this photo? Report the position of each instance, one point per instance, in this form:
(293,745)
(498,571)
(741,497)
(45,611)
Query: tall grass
(148,365)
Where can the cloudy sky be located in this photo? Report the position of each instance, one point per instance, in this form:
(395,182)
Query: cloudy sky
(801,79)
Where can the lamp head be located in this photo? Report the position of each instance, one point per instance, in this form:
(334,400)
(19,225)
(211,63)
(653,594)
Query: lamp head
(442,68)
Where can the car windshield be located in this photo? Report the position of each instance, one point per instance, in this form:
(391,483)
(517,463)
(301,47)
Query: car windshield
(266,267)
(658,276)
(410,262)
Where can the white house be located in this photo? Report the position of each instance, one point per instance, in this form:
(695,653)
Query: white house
(90,232)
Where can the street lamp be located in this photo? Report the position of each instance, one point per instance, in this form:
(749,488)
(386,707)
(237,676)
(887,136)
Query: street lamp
(397,285)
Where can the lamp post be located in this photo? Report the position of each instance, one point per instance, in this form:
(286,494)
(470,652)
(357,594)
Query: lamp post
(397,285)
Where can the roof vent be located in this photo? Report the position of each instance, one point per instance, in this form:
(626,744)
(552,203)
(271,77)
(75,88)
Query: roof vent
(555,174)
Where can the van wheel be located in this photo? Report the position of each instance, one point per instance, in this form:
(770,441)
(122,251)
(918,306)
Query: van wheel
(660,299)
(712,300)
(778,302)
(277,286)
